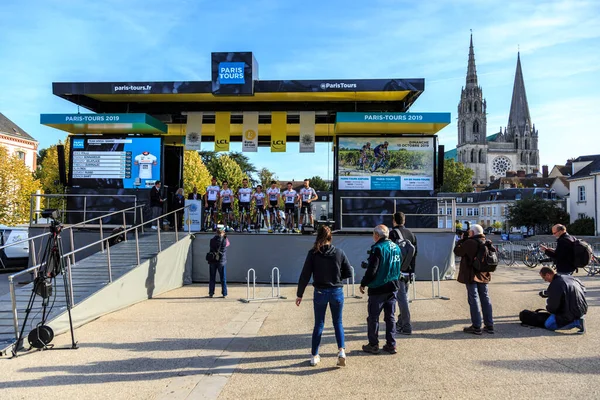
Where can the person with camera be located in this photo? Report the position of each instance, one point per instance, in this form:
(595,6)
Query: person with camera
(563,255)
(476,281)
(565,302)
(328,266)
(400,232)
(217,260)
(381,277)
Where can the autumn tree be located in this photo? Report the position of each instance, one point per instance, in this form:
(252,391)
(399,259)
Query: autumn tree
(47,171)
(457,177)
(225,168)
(244,162)
(17,184)
(195,172)
(318,183)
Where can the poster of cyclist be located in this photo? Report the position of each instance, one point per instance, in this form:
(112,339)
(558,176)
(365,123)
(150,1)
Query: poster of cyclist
(387,163)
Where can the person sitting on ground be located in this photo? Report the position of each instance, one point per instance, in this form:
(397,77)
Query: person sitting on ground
(566,301)
(563,255)
(328,267)
(476,281)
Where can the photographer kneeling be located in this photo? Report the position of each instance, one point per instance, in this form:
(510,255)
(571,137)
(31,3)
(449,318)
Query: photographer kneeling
(381,276)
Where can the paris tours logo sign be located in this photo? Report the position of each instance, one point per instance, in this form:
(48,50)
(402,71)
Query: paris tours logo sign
(231,73)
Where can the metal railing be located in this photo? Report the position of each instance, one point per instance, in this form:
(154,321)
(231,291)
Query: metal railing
(447,220)
(69,257)
(59,201)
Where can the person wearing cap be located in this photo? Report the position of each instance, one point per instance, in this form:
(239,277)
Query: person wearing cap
(476,281)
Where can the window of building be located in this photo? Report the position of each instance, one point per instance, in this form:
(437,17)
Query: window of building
(581,215)
(518,196)
(472,156)
(475,107)
(469,212)
(449,224)
(463,131)
(441,211)
(476,211)
(469,199)
(20,154)
(459,199)
(580,193)
(489,211)
(494,210)
(482,211)
(459,212)
(448,211)
(440,223)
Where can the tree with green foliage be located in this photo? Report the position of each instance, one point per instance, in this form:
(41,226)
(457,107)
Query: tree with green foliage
(536,214)
(318,183)
(265,177)
(497,225)
(47,171)
(225,168)
(582,226)
(207,156)
(195,173)
(457,177)
(17,184)
(244,162)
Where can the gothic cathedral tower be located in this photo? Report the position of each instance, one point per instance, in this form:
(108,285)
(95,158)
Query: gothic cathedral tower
(472,125)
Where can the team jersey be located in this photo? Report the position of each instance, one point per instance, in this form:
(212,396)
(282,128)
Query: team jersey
(227,195)
(290,196)
(245,194)
(364,149)
(259,198)
(379,150)
(146,161)
(212,192)
(273,193)
(307,194)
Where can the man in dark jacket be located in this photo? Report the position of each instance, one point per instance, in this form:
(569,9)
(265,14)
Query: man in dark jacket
(403,326)
(476,281)
(218,244)
(563,255)
(566,301)
(156,204)
(381,277)
(195,195)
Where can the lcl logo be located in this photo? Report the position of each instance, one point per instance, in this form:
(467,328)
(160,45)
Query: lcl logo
(222,141)
(278,143)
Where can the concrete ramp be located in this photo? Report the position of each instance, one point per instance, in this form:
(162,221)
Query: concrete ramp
(94,295)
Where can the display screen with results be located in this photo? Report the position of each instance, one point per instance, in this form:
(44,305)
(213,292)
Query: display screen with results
(127,162)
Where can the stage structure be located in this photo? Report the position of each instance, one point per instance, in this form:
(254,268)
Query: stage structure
(136,133)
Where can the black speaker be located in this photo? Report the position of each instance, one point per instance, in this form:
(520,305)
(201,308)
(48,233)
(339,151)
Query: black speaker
(440,181)
(62,170)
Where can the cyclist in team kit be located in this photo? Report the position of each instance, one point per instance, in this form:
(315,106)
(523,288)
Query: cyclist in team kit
(210,200)
(290,196)
(259,202)
(364,151)
(307,196)
(244,196)
(380,152)
(274,194)
(226,198)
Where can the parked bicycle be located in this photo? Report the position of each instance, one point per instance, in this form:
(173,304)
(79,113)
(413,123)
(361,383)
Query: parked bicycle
(593,267)
(534,257)
(505,255)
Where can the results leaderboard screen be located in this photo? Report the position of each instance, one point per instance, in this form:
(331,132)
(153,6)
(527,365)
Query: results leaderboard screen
(119,162)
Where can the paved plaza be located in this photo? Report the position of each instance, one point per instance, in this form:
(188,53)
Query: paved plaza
(183,345)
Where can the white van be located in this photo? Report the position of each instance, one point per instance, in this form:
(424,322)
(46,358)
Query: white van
(17,255)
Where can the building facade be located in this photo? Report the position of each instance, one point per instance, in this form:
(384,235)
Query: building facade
(18,142)
(584,198)
(513,149)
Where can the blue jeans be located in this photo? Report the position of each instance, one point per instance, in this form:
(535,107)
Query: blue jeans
(387,303)
(213,277)
(479,292)
(335,298)
(551,324)
(404,317)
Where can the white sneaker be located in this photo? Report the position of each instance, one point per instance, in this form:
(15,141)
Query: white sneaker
(314,360)
(341,362)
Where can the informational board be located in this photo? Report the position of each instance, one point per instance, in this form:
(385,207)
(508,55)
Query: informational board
(387,163)
(192,216)
(127,162)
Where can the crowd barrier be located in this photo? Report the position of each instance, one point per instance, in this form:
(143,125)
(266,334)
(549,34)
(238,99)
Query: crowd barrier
(274,274)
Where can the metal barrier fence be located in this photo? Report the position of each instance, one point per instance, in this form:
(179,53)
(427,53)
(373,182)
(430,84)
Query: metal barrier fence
(70,256)
(435,278)
(351,286)
(274,274)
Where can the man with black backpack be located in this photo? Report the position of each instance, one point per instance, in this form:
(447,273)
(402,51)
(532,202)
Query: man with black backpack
(566,301)
(570,253)
(407,242)
(478,259)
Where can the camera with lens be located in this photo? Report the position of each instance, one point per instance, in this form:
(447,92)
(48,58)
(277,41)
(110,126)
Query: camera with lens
(464,233)
(365,264)
(50,213)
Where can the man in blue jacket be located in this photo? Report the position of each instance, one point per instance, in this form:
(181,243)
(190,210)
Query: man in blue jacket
(381,277)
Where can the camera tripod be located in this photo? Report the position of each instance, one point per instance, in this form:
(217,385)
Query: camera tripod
(51,265)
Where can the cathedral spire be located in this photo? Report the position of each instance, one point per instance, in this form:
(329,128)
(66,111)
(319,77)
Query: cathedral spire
(471,70)
(519,109)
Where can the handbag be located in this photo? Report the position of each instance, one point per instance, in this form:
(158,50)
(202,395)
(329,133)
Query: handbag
(212,257)
(535,318)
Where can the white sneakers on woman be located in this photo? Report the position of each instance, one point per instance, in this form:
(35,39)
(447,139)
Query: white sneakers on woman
(341,359)
(314,360)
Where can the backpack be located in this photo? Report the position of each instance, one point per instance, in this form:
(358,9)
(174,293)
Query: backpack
(485,260)
(213,257)
(535,318)
(582,253)
(407,249)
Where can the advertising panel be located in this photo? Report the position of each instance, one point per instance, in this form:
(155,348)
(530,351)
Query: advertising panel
(119,162)
(192,215)
(394,163)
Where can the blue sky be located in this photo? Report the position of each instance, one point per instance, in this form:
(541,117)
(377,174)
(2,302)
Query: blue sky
(138,40)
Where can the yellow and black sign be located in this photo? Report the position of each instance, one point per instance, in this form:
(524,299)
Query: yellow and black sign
(278,131)
(222,131)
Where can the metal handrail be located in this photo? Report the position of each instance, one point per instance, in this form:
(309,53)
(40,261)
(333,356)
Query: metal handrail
(71,254)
